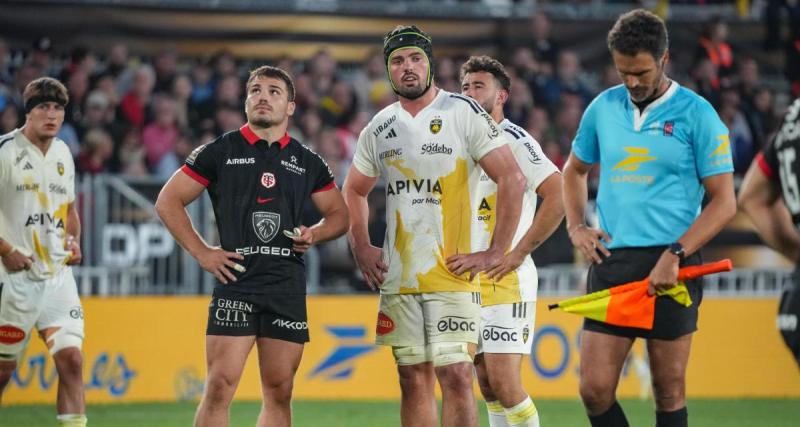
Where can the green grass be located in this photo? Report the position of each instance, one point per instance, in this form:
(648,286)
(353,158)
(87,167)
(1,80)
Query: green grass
(561,413)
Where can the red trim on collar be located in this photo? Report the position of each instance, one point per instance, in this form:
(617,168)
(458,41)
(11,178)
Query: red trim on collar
(252,138)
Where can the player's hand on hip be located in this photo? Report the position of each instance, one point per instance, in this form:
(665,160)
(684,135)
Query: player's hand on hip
(588,241)
(75,254)
(474,263)
(368,259)
(665,274)
(507,264)
(17,261)
(221,263)
(303,242)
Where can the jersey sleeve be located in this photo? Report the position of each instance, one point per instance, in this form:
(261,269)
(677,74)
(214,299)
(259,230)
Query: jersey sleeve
(70,175)
(534,164)
(323,177)
(586,146)
(482,133)
(201,164)
(711,142)
(364,158)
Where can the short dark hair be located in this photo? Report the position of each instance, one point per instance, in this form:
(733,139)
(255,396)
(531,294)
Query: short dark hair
(483,63)
(275,73)
(44,89)
(639,31)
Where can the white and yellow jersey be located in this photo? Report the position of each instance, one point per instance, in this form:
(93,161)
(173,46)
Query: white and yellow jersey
(35,191)
(429,165)
(521,284)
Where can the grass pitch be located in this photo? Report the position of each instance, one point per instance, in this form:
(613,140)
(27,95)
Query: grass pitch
(561,413)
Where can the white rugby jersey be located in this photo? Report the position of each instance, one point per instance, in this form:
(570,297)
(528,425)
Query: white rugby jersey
(521,284)
(35,191)
(429,165)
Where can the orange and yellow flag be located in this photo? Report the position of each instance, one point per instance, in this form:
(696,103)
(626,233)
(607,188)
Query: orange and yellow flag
(629,304)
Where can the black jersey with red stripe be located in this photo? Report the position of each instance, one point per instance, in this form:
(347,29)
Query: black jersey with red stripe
(258,190)
(780,160)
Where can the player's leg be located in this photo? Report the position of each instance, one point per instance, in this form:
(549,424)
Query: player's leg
(496,414)
(401,325)
(788,315)
(61,327)
(506,332)
(668,360)
(452,320)
(602,358)
(230,335)
(282,334)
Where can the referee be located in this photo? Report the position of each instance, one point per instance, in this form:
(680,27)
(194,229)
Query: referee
(661,148)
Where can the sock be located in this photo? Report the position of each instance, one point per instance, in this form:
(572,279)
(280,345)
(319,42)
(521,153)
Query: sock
(613,417)
(679,418)
(497,416)
(71,420)
(523,414)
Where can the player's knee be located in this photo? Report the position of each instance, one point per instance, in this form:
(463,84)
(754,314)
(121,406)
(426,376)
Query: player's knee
(409,355)
(450,353)
(219,390)
(279,392)
(6,371)
(669,395)
(596,395)
(69,363)
(65,338)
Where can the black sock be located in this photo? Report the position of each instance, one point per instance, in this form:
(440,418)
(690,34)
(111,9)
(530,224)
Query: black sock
(679,418)
(613,417)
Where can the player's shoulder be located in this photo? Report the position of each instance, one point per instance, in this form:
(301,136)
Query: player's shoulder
(460,103)
(382,121)
(689,102)
(514,130)
(5,140)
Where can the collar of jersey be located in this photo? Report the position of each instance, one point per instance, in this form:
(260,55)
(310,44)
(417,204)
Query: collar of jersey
(252,138)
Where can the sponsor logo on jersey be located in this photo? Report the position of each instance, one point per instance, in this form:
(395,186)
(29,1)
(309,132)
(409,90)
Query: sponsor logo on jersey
(264,250)
(724,147)
(231,313)
(243,161)
(435,125)
(418,185)
(383,126)
(76,312)
(288,324)
(44,219)
(28,166)
(433,148)
(193,155)
(533,156)
(636,156)
(21,156)
(28,187)
(388,154)
(11,334)
(391,134)
(385,324)
(268,180)
(60,168)
(58,189)
(456,324)
(494,132)
(526,333)
(292,166)
(499,333)
(266,225)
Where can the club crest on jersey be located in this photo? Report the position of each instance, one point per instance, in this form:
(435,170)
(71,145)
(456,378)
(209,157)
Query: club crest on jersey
(268,180)
(668,128)
(525,334)
(60,167)
(436,125)
(266,225)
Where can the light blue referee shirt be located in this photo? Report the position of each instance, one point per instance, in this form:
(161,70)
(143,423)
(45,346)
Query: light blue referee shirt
(652,162)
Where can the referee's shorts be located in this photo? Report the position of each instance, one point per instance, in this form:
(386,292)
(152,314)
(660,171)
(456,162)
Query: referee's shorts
(672,320)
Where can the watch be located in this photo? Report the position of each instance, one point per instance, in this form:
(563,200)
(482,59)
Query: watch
(677,250)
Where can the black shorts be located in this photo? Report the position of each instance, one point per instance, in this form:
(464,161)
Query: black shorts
(236,314)
(672,320)
(788,316)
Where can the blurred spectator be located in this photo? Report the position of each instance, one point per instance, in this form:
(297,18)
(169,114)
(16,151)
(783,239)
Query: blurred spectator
(713,45)
(322,71)
(545,49)
(225,65)
(160,136)
(96,151)
(228,117)
(165,66)
(773,26)
(706,81)
(136,103)
(130,157)
(97,114)
(182,93)
(41,57)
(10,118)
(447,74)
(610,77)
(741,139)
(5,64)
(520,101)
(339,107)
(81,59)
(567,79)
(78,85)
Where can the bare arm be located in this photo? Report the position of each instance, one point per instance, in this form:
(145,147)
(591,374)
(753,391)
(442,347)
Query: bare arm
(73,243)
(178,192)
(332,225)
(576,193)
(503,169)
(357,187)
(760,199)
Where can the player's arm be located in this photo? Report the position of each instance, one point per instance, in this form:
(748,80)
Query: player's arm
(171,204)
(502,167)
(333,224)
(355,191)
(760,199)
(548,217)
(13,258)
(576,193)
(73,243)
(719,211)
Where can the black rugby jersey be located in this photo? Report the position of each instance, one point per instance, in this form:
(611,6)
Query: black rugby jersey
(257,191)
(779,160)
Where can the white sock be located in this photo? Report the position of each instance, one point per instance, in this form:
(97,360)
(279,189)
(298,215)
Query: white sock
(71,420)
(523,414)
(497,415)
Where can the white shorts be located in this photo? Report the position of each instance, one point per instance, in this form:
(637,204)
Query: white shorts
(26,303)
(419,319)
(507,328)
